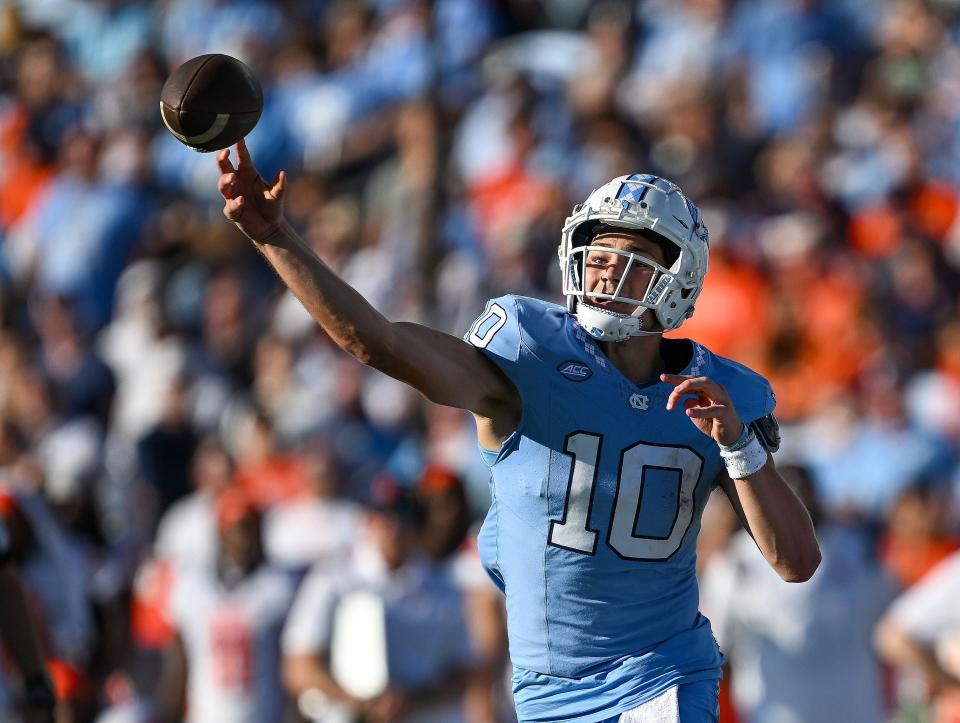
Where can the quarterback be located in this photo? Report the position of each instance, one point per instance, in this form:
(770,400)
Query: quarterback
(603,438)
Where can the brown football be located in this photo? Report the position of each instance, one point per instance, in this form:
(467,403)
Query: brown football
(211,102)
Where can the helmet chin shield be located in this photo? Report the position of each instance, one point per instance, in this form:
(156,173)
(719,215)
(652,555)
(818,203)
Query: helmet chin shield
(636,203)
(606,325)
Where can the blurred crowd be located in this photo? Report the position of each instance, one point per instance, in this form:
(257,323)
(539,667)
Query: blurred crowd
(214,509)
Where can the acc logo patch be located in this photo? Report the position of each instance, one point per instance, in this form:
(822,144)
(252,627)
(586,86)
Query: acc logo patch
(575,371)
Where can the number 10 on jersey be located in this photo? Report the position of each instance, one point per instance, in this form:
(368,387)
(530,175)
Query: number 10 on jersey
(572,532)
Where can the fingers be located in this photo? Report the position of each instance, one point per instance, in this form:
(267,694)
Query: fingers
(692,385)
(227,185)
(223,161)
(710,411)
(233,208)
(680,379)
(243,155)
(701,386)
(279,186)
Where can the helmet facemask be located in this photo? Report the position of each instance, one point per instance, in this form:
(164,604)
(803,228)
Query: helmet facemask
(636,322)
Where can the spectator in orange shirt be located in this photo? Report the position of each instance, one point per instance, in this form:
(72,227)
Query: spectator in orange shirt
(917,535)
(265,473)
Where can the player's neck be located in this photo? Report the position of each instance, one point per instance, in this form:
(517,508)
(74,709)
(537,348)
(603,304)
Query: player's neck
(638,359)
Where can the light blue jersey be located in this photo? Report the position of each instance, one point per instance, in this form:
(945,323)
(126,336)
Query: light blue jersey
(596,508)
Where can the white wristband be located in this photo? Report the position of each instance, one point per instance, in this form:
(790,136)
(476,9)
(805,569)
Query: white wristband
(745,461)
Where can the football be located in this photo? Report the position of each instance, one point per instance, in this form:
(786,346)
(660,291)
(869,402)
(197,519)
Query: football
(211,102)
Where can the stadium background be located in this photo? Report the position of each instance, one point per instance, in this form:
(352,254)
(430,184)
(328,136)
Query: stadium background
(434,150)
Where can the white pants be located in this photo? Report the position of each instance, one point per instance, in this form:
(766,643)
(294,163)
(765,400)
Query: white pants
(665,708)
(696,701)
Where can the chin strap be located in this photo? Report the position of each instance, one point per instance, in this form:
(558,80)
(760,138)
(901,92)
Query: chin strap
(605,325)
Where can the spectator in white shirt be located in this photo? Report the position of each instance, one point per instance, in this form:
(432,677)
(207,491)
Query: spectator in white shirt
(187,533)
(445,538)
(921,635)
(798,652)
(383,637)
(224,662)
(316,527)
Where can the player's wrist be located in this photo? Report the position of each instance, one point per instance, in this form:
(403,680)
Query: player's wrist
(273,233)
(744,457)
(739,442)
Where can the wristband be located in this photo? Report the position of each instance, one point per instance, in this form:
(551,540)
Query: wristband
(745,461)
(742,441)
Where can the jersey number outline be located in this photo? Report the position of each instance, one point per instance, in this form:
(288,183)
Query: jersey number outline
(479,338)
(572,531)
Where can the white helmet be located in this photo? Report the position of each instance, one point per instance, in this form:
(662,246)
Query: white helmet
(636,202)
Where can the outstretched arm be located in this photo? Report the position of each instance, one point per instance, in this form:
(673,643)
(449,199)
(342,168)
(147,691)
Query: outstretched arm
(772,513)
(434,363)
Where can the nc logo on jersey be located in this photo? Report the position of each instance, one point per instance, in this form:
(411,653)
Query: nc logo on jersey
(639,401)
(575,371)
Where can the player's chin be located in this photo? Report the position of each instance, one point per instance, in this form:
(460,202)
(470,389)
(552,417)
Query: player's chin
(617,307)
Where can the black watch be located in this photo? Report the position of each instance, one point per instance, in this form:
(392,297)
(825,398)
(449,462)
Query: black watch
(38,691)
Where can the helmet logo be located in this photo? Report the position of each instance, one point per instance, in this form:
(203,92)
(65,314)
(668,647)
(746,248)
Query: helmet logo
(635,188)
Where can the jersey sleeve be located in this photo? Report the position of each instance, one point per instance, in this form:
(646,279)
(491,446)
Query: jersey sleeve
(497,333)
(753,398)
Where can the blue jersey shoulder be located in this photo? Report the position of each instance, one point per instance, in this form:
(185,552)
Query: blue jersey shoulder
(518,331)
(512,329)
(751,393)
